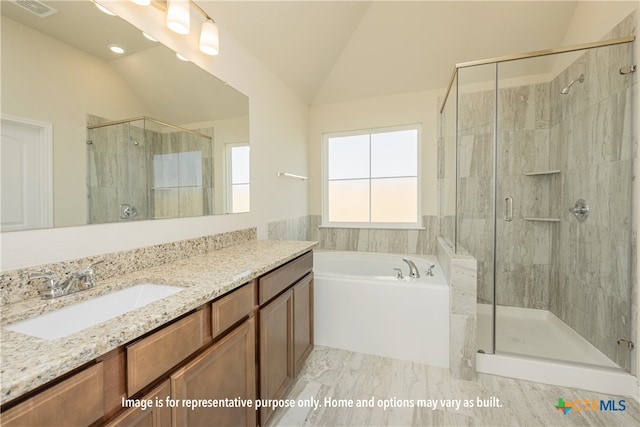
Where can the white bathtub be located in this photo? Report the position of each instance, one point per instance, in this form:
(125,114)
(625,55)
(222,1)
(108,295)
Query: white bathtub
(361,305)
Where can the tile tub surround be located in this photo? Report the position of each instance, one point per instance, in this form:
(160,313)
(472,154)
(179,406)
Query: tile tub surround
(460,271)
(15,286)
(401,241)
(341,374)
(204,277)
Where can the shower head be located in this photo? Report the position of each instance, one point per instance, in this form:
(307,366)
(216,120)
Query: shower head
(565,90)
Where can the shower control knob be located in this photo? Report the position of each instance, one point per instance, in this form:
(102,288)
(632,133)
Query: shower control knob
(580,210)
(128,211)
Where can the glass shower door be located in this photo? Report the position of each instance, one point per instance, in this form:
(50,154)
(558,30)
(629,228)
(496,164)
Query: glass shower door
(563,206)
(475,209)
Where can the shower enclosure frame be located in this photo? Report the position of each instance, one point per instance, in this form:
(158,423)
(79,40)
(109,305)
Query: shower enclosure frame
(527,55)
(151,146)
(455,79)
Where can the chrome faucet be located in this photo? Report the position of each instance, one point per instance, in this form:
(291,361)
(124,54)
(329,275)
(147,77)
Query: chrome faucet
(413,270)
(82,279)
(430,270)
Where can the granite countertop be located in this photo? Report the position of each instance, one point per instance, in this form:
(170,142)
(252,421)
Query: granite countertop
(27,362)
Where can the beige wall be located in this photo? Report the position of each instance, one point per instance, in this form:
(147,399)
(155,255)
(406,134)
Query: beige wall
(33,85)
(278,131)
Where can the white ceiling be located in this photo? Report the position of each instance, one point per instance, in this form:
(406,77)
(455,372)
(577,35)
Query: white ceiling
(331,51)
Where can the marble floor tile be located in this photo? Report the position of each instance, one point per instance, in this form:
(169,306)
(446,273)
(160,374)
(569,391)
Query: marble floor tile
(422,395)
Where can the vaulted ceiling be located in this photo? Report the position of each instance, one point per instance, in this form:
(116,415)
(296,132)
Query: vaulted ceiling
(331,51)
(334,50)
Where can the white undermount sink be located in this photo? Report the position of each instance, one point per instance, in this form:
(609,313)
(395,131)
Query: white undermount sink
(74,318)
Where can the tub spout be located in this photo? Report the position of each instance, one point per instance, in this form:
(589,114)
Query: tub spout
(413,270)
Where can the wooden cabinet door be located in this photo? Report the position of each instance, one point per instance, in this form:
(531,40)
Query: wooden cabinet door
(76,401)
(227,370)
(302,321)
(150,357)
(276,349)
(155,416)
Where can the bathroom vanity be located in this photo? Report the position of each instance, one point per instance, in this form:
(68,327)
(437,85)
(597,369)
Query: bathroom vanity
(237,333)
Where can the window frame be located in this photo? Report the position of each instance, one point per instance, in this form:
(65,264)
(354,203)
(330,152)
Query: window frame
(374,225)
(229,185)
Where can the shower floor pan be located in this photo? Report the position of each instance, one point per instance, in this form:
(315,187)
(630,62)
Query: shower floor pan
(535,345)
(536,333)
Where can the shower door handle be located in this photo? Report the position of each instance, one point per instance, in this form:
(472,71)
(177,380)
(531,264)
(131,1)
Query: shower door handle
(508,209)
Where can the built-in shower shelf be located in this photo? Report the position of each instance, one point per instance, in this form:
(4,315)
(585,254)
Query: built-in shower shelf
(551,172)
(542,219)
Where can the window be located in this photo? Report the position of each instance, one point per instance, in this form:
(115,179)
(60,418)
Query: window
(177,185)
(372,178)
(238,187)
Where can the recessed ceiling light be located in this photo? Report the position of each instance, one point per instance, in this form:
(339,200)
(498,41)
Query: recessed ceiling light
(104,9)
(181,58)
(148,37)
(116,49)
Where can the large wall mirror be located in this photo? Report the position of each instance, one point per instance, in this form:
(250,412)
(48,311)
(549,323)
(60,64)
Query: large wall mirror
(90,136)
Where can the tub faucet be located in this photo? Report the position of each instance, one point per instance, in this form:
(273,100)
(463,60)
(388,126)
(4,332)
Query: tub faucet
(413,270)
(430,270)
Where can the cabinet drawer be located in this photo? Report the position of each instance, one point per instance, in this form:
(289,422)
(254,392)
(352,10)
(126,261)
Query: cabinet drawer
(230,309)
(280,279)
(155,354)
(78,400)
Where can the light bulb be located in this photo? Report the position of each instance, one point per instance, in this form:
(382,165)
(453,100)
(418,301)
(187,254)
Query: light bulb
(178,16)
(209,38)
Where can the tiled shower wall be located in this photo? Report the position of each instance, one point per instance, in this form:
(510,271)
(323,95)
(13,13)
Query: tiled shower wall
(112,156)
(403,241)
(579,271)
(591,283)
(126,167)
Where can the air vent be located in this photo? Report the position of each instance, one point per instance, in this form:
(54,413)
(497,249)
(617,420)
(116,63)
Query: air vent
(37,8)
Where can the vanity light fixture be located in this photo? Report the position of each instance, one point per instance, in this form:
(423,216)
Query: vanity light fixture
(209,38)
(179,20)
(178,16)
(209,34)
